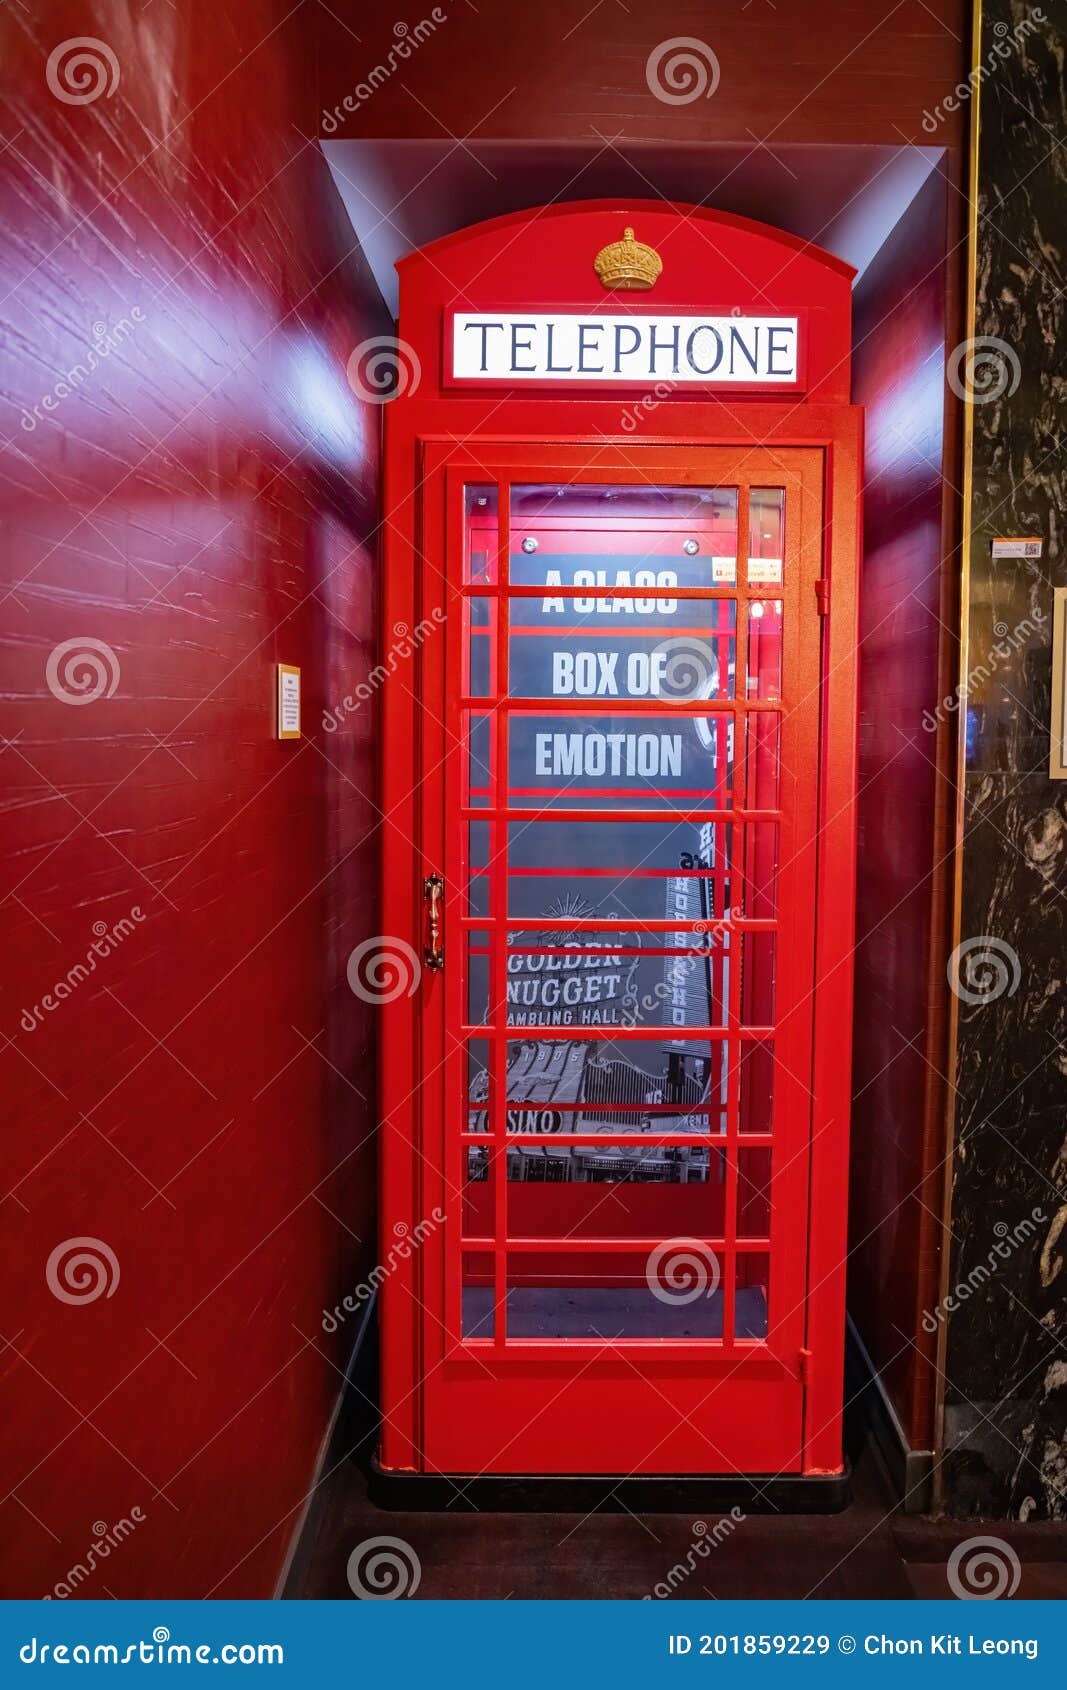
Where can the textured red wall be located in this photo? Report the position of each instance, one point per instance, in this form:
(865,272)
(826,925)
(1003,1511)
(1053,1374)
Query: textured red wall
(189,482)
(897,1120)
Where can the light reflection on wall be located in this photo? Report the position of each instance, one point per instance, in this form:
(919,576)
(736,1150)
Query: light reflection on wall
(318,400)
(903,427)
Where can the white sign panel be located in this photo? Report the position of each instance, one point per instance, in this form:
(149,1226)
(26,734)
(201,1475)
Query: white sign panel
(765,571)
(1015,548)
(288,701)
(608,347)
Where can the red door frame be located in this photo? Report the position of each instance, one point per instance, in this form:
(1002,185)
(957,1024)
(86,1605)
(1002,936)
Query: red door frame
(530,432)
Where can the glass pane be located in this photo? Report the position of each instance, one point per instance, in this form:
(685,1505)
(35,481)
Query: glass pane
(590,987)
(600,542)
(479,563)
(595,983)
(478,895)
(478,844)
(643,871)
(478,1220)
(478,1085)
(560,1115)
(583,659)
(759,893)
(701,938)
(754,1193)
(674,1294)
(478,860)
(479,735)
(765,649)
(752,1295)
(477,1305)
(762,774)
(574,876)
(615,1191)
(559,1073)
(757,979)
(479,667)
(757,1086)
(607,581)
(606,1071)
(478,977)
(541,1163)
(766,536)
(578,762)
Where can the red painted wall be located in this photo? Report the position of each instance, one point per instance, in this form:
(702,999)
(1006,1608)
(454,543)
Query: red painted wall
(897,1134)
(189,481)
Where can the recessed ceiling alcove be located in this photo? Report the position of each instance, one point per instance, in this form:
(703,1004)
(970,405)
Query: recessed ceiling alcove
(402,194)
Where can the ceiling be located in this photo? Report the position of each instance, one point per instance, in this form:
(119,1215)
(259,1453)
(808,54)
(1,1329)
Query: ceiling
(402,194)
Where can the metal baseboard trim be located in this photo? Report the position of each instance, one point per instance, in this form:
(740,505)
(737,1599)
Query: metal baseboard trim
(597,1493)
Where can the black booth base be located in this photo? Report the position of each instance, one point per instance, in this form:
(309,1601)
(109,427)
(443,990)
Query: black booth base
(753,1493)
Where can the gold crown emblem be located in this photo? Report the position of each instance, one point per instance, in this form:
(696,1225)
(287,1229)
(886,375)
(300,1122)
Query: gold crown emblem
(628,264)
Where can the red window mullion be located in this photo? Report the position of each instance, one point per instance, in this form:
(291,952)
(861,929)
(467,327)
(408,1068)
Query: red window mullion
(738,833)
(498,904)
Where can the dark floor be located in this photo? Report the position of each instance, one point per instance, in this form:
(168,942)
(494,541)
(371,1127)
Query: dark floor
(868,1550)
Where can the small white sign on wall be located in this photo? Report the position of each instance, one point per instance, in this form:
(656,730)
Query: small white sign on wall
(1015,548)
(288,701)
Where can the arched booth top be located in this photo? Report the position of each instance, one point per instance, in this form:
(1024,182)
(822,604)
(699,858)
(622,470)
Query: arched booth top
(563,300)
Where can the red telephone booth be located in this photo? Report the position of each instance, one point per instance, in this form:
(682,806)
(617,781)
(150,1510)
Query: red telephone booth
(619,728)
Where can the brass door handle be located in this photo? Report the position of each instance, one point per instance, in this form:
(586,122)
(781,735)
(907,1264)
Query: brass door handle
(433,891)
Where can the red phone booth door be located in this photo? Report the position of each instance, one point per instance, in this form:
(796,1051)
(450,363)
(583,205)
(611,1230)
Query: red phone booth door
(621,766)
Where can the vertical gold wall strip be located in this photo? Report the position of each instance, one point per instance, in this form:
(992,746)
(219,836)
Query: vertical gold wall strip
(970,316)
